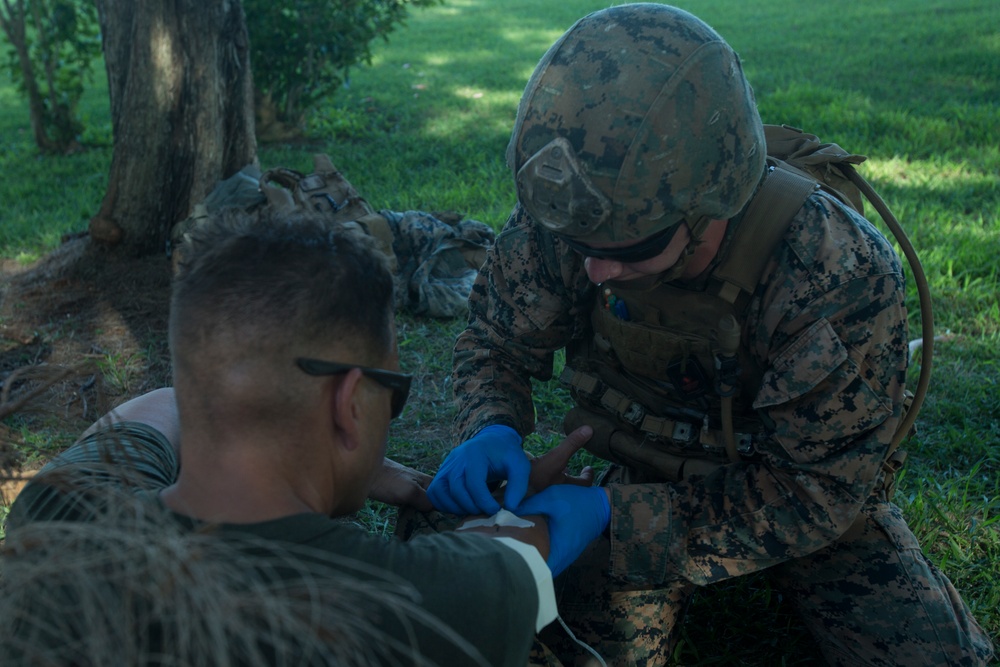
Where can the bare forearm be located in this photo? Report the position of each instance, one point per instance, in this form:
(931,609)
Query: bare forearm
(401,485)
(536,535)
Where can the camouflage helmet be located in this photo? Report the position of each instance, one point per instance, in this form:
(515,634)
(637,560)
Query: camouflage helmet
(637,119)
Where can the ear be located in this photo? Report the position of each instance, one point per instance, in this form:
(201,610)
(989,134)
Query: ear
(346,409)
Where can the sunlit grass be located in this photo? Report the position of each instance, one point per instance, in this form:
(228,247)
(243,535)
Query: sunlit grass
(913,85)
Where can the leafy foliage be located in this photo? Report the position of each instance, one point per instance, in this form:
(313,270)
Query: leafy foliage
(302,50)
(52,44)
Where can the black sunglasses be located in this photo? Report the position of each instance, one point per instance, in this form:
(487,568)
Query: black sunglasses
(648,248)
(399,383)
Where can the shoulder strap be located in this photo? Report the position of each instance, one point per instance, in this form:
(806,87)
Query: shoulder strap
(763,225)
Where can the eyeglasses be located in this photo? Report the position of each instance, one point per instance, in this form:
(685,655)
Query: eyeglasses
(399,383)
(648,248)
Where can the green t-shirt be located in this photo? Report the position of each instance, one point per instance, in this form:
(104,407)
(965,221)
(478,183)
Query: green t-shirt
(479,588)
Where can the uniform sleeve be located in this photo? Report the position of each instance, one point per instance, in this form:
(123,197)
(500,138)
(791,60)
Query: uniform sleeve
(530,299)
(547,610)
(483,590)
(126,456)
(828,325)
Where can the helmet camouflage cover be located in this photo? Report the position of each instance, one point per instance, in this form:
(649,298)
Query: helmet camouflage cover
(637,119)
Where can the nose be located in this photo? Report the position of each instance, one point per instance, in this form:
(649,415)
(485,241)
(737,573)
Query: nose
(600,270)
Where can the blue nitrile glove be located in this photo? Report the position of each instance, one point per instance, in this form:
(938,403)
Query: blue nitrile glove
(492,455)
(576,516)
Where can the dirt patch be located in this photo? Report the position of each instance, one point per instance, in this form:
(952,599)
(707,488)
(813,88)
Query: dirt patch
(80,331)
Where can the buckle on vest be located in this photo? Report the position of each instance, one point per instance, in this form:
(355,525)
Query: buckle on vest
(683,432)
(634,414)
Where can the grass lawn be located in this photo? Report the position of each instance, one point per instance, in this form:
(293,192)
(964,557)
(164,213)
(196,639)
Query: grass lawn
(914,85)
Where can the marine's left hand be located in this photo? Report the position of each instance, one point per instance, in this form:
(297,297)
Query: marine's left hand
(399,485)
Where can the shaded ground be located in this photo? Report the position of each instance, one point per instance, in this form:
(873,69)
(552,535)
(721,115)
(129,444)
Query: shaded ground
(79,332)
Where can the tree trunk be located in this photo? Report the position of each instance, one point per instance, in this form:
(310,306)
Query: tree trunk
(14,19)
(181,113)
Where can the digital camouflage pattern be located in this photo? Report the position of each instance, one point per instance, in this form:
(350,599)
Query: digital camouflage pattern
(438,259)
(870,598)
(607,147)
(637,119)
(827,326)
(434,256)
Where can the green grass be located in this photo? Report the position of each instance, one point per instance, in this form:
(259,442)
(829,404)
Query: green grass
(913,84)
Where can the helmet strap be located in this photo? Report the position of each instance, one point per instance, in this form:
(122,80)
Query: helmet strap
(696,231)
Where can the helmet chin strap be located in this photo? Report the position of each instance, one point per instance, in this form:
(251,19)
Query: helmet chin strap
(675,271)
(696,231)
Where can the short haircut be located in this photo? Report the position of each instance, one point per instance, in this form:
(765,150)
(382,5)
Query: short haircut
(277,282)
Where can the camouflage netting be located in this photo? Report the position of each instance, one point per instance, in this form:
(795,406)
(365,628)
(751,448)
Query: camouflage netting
(132,587)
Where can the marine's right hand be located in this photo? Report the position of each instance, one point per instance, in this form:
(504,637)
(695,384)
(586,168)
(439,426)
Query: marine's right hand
(461,485)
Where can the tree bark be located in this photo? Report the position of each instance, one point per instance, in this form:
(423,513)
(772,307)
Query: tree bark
(181,112)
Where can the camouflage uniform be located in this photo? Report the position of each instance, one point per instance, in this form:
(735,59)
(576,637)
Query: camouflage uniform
(636,121)
(827,327)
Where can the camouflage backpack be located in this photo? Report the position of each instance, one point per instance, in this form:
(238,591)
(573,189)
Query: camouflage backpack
(325,191)
(435,257)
